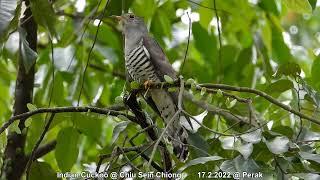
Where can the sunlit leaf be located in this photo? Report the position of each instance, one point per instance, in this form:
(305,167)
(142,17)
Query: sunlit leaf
(15,127)
(244,148)
(134,85)
(278,145)
(231,103)
(7,12)
(300,6)
(253,137)
(168,79)
(201,160)
(31,107)
(27,54)
(118,129)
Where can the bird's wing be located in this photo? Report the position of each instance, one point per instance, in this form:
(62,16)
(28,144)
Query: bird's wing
(162,67)
(158,58)
(160,62)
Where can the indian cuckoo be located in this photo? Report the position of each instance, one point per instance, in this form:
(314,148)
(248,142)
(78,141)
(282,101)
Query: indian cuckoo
(145,61)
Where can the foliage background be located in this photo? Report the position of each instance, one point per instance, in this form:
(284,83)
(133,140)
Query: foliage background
(269,45)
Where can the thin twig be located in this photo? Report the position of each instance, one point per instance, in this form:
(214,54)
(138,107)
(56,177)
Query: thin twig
(220,67)
(53,69)
(261,94)
(215,110)
(90,51)
(219,133)
(45,130)
(206,7)
(153,164)
(43,150)
(94,11)
(136,156)
(114,73)
(188,42)
(299,109)
(161,136)
(142,131)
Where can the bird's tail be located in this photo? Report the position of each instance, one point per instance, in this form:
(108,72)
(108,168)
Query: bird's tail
(178,135)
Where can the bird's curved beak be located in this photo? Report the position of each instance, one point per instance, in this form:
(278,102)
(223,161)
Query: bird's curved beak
(118,18)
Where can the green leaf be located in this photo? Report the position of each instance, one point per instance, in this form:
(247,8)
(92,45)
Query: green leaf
(144,8)
(284,130)
(205,43)
(168,79)
(203,91)
(299,6)
(200,160)
(219,93)
(269,6)
(310,156)
(116,7)
(3,141)
(278,87)
(239,165)
(67,150)
(227,57)
(7,12)
(280,51)
(31,107)
(230,104)
(15,127)
(205,14)
(311,93)
(42,170)
(134,85)
(278,145)
(118,129)
(172,89)
(288,69)
(27,54)
(119,99)
(190,81)
(196,140)
(89,124)
(44,15)
(28,122)
(313,4)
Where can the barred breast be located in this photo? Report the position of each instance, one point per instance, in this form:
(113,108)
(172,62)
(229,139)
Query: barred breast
(139,66)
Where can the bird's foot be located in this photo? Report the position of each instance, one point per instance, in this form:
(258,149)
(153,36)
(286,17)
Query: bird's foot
(147,84)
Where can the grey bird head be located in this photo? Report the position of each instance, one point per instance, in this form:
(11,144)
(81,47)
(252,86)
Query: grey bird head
(133,29)
(132,23)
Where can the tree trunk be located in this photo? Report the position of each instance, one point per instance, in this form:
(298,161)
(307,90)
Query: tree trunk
(14,156)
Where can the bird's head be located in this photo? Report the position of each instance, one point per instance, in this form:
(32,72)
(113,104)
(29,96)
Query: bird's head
(131,23)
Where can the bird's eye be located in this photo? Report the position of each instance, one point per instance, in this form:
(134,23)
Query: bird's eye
(131,16)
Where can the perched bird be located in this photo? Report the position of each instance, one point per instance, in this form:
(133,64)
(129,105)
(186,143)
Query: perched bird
(145,61)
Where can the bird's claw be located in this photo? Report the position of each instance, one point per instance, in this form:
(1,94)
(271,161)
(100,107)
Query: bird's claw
(147,84)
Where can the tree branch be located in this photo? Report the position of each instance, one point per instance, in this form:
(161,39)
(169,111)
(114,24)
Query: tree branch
(43,150)
(104,111)
(238,89)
